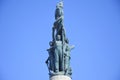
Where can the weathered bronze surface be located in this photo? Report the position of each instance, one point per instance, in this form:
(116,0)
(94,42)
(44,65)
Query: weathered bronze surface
(58,61)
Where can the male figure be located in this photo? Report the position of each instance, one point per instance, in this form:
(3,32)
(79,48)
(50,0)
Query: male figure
(58,24)
(58,55)
(67,49)
(50,60)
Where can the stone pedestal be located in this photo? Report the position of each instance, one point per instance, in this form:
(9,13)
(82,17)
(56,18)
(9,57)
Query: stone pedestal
(60,77)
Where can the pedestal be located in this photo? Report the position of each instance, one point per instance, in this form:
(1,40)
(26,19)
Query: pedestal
(60,77)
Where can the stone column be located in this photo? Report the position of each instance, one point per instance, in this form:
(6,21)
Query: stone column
(60,77)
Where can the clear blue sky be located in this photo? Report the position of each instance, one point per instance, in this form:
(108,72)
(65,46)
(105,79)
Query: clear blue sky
(93,26)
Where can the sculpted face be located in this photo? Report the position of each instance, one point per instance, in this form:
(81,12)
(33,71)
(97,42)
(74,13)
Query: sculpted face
(58,37)
(51,43)
(60,4)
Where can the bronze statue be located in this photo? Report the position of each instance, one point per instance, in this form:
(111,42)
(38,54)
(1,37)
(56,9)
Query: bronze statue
(58,55)
(58,24)
(67,49)
(58,61)
(50,60)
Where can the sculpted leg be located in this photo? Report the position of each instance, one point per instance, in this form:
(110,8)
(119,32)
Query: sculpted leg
(56,61)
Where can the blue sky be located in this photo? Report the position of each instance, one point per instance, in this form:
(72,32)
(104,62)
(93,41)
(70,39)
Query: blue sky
(93,26)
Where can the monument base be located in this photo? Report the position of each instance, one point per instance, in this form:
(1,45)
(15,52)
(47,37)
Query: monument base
(60,77)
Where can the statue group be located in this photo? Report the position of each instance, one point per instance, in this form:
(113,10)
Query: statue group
(58,61)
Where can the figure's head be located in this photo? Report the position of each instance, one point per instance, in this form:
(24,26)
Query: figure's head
(58,37)
(67,41)
(51,43)
(60,4)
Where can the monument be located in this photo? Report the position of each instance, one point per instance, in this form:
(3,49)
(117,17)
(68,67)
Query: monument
(58,62)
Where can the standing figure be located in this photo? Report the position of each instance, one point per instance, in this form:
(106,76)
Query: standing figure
(67,49)
(58,55)
(58,61)
(50,60)
(58,24)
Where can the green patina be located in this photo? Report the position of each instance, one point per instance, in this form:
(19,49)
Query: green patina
(58,61)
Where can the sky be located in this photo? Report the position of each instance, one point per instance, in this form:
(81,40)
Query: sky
(93,26)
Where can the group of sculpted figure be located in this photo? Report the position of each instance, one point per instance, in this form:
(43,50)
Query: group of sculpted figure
(58,61)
